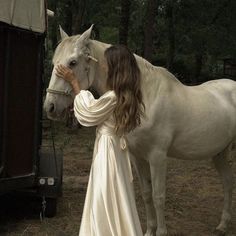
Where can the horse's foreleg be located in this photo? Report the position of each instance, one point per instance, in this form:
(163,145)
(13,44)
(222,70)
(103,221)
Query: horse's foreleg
(223,167)
(158,166)
(143,171)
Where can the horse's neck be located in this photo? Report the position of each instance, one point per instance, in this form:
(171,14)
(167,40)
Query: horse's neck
(97,51)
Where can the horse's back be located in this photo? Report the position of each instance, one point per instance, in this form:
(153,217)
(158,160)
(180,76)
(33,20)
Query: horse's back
(208,121)
(222,89)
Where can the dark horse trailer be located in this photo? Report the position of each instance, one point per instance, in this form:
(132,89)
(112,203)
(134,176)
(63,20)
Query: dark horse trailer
(24,165)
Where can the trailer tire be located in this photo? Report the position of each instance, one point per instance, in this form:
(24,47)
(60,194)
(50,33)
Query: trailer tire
(51,207)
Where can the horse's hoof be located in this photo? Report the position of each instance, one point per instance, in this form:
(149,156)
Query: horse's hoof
(150,233)
(153,232)
(219,232)
(161,233)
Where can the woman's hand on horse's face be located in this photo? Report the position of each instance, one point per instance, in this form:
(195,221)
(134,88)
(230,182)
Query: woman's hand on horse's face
(65,73)
(68,75)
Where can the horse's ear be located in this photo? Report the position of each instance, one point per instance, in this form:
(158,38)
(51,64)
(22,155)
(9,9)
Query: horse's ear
(63,33)
(84,38)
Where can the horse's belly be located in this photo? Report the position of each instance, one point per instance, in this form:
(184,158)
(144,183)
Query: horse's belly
(200,146)
(193,154)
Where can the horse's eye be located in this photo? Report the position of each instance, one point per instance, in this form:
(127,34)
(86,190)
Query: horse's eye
(72,63)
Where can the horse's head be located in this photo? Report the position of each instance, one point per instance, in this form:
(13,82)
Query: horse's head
(74,52)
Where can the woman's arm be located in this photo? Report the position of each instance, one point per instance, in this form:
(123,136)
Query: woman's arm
(68,75)
(75,86)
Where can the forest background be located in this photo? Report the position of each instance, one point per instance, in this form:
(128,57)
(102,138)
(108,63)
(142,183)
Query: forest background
(192,38)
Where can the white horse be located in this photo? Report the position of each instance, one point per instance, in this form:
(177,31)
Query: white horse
(185,122)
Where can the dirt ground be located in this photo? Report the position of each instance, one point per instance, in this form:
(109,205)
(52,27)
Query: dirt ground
(193,205)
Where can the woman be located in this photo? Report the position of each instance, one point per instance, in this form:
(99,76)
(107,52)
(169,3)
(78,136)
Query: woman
(110,208)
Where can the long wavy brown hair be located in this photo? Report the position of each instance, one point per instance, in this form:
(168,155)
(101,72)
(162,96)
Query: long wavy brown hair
(124,78)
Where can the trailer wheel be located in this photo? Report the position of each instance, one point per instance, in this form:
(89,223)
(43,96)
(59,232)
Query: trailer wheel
(51,207)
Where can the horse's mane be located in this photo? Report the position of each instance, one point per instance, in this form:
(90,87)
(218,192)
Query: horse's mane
(144,64)
(146,68)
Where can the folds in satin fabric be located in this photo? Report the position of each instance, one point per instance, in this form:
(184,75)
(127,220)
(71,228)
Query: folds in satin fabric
(90,111)
(109,208)
(110,203)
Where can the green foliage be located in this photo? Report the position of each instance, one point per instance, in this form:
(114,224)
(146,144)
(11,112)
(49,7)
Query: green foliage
(109,35)
(204,30)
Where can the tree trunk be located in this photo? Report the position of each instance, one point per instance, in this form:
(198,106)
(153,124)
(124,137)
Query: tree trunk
(124,21)
(171,35)
(53,28)
(79,10)
(220,10)
(149,28)
(68,17)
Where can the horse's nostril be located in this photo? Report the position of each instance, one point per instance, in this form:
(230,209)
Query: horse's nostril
(51,107)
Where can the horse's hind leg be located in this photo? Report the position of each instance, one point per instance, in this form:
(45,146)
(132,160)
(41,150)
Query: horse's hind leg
(143,171)
(223,167)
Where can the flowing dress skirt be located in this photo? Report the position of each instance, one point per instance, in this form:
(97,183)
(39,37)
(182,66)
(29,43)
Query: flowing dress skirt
(110,208)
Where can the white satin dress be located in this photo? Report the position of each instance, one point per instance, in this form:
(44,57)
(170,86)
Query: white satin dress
(110,208)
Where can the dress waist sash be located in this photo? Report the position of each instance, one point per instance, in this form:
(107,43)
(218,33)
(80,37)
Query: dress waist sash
(104,130)
(111,132)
